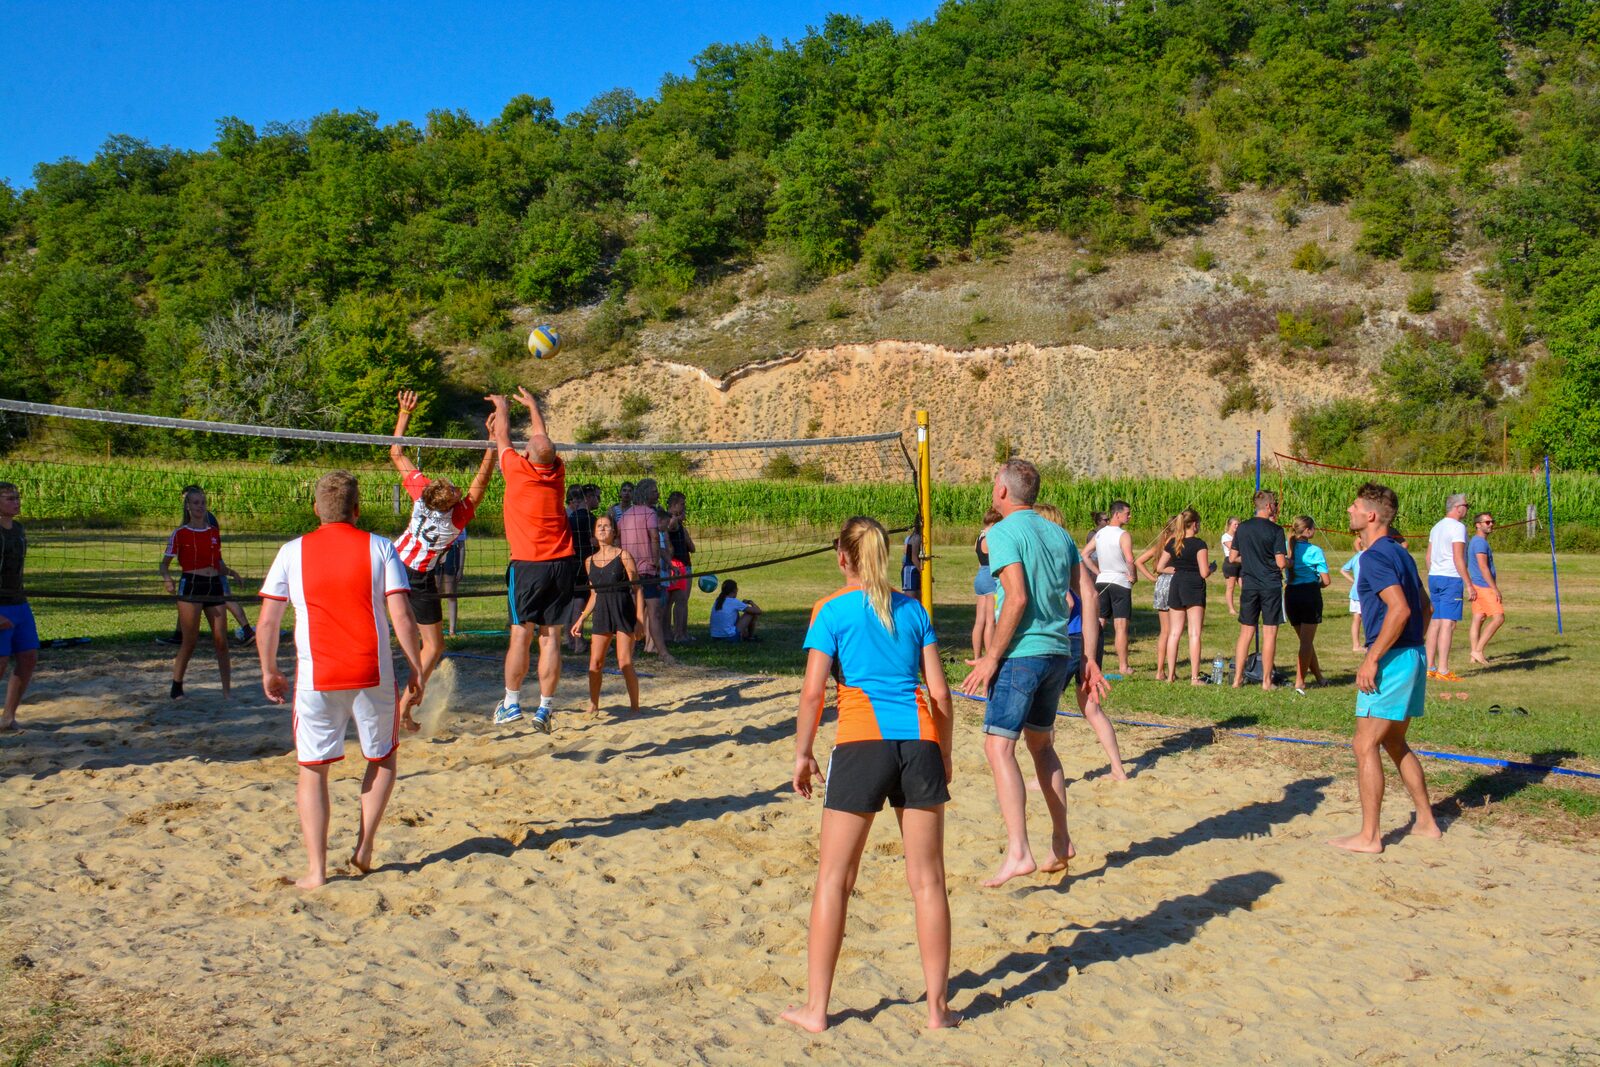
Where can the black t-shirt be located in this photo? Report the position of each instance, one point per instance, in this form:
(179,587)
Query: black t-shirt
(1189,559)
(13,551)
(678,542)
(1258,541)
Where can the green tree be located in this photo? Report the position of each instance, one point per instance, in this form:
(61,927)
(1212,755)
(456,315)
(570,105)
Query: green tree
(371,354)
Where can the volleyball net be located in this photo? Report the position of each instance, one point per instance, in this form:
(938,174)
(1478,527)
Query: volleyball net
(98,525)
(1522,504)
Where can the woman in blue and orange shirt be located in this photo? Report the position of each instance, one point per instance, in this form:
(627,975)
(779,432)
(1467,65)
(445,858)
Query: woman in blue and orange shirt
(893,743)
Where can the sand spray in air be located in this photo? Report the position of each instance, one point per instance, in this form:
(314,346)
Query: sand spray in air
(436,699)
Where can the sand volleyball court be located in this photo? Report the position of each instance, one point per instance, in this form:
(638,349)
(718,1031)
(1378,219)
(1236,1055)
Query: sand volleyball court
(635,889)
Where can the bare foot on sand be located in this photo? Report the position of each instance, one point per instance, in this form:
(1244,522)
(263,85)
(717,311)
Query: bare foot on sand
(311,881)
(943,1019)
(807,1018)
(1119,775)
(1011,869)
(1429,829)
(1357,843)
(407,723)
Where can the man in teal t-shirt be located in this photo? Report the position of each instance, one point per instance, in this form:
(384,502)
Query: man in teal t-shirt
(1028,665)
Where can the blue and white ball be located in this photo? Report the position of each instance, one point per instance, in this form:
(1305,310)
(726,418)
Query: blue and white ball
(544,342)
(707,583)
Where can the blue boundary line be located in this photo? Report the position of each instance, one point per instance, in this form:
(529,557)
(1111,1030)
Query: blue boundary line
(1453,757)
(501,659)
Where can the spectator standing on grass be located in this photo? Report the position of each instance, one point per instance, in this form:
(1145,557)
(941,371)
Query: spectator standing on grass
(624,501)
(640,531)
(1161,581)
(1262,554)
(1113,559)
(580,518)
(1029,665)
(1392,682)
(1449,585)
(681,545)
(1230,571)
(1189,559)
(1352,572)
(1488,614)
(19,634)
(1308,576)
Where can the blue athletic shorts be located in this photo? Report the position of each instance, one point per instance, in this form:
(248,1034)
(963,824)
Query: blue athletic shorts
(983,583)
(22,635)
(1402,686)
(1447,595)
(1026,693)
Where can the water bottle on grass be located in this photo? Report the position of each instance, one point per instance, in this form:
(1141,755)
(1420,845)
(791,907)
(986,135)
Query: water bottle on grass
(1217,667)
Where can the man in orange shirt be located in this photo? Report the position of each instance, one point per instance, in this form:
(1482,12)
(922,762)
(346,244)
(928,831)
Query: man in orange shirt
(544,567)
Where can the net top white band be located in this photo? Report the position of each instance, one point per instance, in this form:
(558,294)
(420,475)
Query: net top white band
(161,422)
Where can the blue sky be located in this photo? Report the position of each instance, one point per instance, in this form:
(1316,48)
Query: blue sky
(73,72)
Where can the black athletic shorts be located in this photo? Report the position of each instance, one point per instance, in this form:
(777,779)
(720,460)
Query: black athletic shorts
(202,589)
(863,774)
(1263,606)
(1303,603)
(538,594)
(1116,601)
(1232,570)
(425,602)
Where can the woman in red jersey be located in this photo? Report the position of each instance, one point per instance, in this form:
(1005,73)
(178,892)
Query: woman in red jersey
(197,546)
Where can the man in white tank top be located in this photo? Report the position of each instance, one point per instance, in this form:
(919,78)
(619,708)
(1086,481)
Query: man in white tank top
(1112,548)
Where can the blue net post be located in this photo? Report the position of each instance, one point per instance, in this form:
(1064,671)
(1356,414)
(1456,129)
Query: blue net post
(1550,504)
(1258,461)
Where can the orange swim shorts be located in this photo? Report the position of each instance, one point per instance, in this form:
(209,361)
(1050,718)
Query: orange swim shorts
(1486,602)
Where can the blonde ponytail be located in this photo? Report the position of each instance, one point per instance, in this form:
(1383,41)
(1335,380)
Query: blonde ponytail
(866,545)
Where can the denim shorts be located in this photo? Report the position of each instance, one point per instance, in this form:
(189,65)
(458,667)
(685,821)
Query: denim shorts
(1026,693)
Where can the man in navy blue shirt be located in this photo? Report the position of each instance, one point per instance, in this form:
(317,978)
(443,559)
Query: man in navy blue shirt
(1392,680)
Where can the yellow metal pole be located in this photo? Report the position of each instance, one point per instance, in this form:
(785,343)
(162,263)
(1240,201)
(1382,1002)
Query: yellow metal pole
(925,508)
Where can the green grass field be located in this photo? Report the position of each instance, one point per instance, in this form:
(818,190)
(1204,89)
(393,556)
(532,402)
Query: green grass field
(1550,675)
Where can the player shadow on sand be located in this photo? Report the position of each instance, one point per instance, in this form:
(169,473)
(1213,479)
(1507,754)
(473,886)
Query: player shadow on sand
(1480,791)
(1255,820)
(1172,922)
(656,817)
(748,735)
(239,732)
(1173,743)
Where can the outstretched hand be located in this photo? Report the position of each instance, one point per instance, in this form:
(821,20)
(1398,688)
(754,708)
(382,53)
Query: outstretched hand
(407,399)
(501,408)
(526,398)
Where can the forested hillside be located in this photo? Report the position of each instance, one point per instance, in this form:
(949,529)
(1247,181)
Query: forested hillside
(300,272)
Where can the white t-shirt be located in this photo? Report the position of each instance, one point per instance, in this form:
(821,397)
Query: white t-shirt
(338,578)
(1441,557)
(725,620)
(1108,555)
(1227,543)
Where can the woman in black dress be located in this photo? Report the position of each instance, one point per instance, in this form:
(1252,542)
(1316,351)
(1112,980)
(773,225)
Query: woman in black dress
(616,606)
(1190,561)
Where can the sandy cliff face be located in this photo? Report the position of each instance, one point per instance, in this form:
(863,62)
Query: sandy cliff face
(1093,411)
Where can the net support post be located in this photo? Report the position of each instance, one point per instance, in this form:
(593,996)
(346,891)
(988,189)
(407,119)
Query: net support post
(925,509)
(1550,504)
(1258,461)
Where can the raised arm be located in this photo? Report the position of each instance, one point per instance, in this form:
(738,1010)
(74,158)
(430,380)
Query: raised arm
(499,422)
(480,481)
(397,453)
(541,450)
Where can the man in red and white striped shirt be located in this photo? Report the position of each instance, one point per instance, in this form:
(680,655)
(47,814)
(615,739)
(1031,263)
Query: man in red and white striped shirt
(346,586)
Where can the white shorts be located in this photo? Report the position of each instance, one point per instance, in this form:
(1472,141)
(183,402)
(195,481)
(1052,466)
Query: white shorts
(1355,607)
(321,719)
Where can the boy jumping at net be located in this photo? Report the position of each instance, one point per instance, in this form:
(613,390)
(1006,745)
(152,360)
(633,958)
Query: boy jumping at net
(439,515)
(346,586)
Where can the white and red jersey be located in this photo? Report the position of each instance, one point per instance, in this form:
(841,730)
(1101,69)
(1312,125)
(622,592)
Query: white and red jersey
(430,532)
(196,550)
(337,577)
